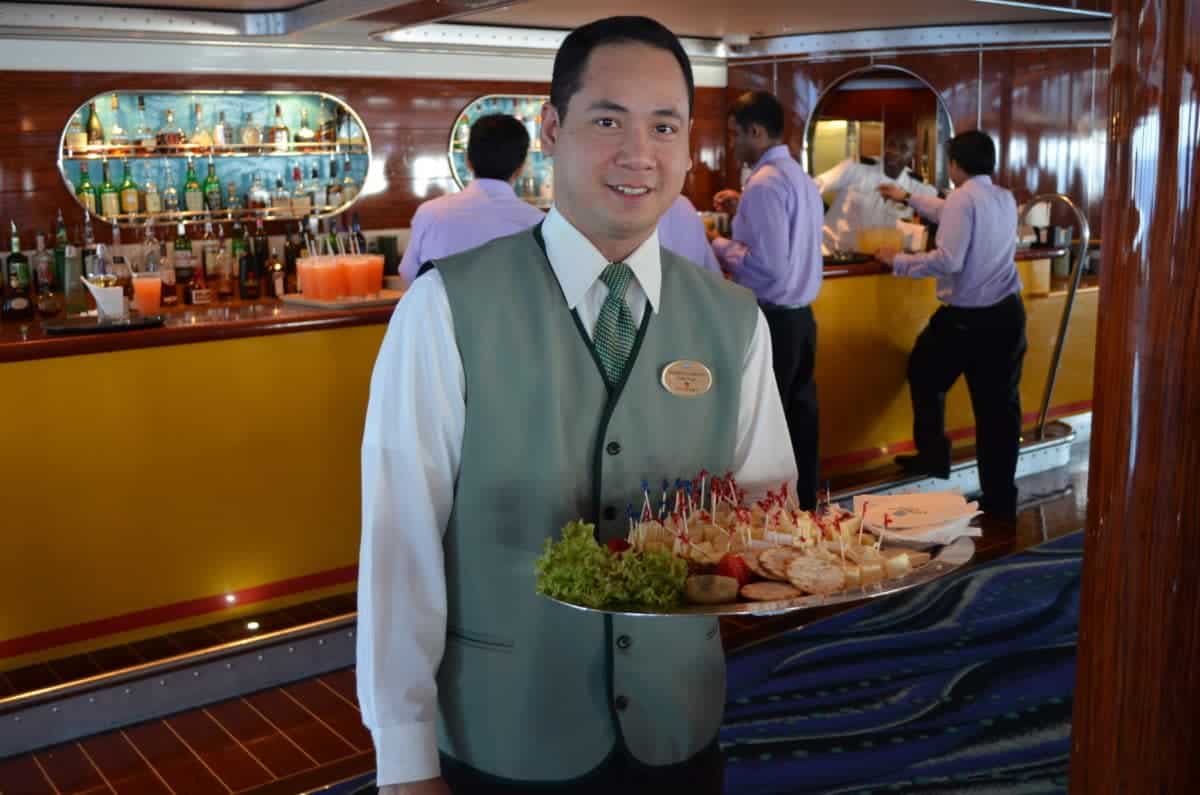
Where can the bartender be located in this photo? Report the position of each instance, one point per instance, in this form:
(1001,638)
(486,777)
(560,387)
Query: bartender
(486,209)
(527,383)
(775,250)
(979,331)
(859,204)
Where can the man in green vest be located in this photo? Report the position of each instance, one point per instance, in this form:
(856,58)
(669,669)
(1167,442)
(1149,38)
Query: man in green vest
(526,383)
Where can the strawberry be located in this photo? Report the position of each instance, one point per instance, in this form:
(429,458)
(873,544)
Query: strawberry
(617,545)
(732,565)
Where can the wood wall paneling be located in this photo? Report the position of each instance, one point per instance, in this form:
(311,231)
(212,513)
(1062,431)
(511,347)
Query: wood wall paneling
(409,122)
(1137,694)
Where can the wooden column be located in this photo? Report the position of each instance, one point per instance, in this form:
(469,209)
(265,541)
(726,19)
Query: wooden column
(1137,702)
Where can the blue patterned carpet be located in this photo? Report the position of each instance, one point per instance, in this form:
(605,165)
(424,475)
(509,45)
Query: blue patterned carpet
(963,686)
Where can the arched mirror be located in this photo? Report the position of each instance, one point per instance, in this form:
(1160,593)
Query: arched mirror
(875,124)
(535,182)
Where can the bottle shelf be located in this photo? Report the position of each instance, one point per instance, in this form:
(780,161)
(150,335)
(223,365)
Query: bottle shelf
(108,152)
(201,217)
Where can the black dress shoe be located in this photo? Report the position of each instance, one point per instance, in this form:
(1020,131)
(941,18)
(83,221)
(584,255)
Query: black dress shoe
(917,465)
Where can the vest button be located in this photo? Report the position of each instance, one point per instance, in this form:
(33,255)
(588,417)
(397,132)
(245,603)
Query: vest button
(614,448)
(624,642)
(621,703)
(610,513)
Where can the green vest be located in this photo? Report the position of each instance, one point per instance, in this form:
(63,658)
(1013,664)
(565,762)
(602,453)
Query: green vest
(529,689)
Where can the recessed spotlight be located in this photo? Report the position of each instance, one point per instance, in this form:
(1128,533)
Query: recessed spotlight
(252,625)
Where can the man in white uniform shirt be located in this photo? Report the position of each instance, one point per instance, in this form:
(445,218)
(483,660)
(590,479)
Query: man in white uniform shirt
(468,680)
(859,204)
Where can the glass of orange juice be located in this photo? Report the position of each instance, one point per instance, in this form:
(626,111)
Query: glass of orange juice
(304,267)
(147,292)
(375,270)
(358,274)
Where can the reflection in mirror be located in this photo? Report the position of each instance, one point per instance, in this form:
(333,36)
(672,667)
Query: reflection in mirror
(876,125)
(535,182)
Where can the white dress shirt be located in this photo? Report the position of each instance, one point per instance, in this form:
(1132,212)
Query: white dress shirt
(858,204)
(411,450)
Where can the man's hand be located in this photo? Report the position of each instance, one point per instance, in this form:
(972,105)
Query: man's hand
(893,192)
(711,233)
(886,255)
(727,201)
(430,786)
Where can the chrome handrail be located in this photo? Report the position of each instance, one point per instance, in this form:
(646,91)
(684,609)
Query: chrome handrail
(1076,271)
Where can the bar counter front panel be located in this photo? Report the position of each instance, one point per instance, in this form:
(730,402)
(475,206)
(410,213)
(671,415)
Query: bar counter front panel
(148,485)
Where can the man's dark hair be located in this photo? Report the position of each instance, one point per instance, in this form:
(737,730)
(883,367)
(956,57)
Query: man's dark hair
(572,57)
(974,152)
(497,146)
(759,107)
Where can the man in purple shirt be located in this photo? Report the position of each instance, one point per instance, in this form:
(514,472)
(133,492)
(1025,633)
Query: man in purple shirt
(979,332)
(681,231)
(486,209)
(776,252)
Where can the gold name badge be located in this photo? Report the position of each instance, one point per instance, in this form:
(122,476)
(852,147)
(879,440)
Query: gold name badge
(686,378)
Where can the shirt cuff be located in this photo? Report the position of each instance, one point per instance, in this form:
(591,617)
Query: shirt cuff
(901,264)
(723,247)
(406,753)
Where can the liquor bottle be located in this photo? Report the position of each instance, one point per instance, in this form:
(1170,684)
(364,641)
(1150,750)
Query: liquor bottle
(195,289)
(151,249)
(305,136)
(88,254)
(291,253)
(206,262)
(333,191)
(316,194)
(233,201)
(60,251)
(183,262)
(274,276)
(76,139)
(260,245)
(193,193)
(237,242)
(170,288)
(223,268)
(144,138)
(301,198)
(249,287)
(49,297)
(279,137)
(326,127)
(18,286)
(332,236)
(259,198)
(281,199)
(170,136)
(201,136)
(462,135)
(251,135)
(222,133)
(349,184)
(170,195)
(360,239)
(85,190)
(95,129)
(153,199)
(130,196)
(212,188)
(118,263)
(118,139)
(110,197)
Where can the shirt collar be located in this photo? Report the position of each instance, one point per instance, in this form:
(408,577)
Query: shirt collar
(777,152)
(492,188)
(979,179)
(577,263)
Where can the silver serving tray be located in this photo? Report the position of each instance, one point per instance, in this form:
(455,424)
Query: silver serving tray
(948,558)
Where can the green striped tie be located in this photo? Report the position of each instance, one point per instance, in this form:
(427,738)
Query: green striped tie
(614,328)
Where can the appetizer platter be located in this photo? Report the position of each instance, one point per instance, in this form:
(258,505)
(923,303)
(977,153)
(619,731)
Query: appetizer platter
(698,549)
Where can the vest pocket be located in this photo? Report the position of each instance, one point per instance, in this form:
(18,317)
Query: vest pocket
(480,640)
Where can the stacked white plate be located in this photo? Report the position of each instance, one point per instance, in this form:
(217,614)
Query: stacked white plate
(928,518)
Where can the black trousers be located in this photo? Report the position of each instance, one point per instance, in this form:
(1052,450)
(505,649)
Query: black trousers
(987,345)
(703,774)
(794,347)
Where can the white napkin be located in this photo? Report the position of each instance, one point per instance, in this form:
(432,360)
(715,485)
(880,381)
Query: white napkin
(930,517)
(110,301)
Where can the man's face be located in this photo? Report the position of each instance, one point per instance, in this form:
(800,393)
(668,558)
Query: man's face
(621,153)
(745,145)
(897,153)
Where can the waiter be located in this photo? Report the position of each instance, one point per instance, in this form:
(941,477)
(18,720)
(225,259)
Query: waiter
(979,331)
(527,383)
(859,204)
(776,252)
(682,232)
(486,209)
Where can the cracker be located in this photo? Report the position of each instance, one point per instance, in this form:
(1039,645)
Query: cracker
(770,591)
(816,576)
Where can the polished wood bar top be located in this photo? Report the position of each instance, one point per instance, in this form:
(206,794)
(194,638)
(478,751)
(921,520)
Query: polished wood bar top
(873,267)
(22,341)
